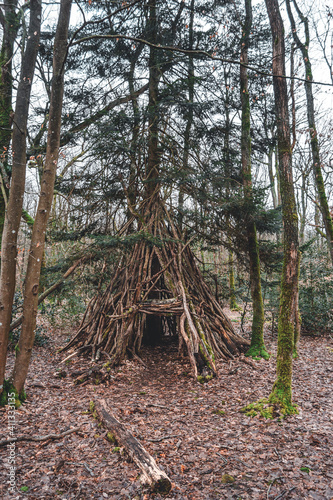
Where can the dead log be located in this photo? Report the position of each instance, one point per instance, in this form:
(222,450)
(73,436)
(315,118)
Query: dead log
(152,475)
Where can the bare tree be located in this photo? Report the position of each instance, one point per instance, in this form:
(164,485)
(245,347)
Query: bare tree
(316,157)
(30,304)
(15,201)
(257,348)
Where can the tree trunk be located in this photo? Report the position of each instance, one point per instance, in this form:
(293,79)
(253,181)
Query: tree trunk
(316,161)
(189,122)
(153,160)
(272,177)
(10,25)
(30,304)
(257,348)
(281,395)
(232,290)
(15,201)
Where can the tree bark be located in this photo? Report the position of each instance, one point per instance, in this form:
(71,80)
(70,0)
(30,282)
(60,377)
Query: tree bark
(30,304)
(152,475)
(257,348)
(189,122)
(153,160)
(316,160)
(10,25)
(281,394)
(15,201)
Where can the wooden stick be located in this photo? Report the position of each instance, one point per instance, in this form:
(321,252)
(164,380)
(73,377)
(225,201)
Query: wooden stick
(3,442)
(152,475)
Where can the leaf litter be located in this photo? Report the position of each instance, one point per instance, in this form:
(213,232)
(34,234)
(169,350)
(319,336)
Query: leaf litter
(195,432)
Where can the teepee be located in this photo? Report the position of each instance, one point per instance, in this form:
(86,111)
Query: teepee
(158,289)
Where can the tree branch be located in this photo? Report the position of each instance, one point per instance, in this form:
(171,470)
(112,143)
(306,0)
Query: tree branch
(37,439)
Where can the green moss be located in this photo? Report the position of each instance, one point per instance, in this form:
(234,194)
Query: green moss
(258,352)
(261,407)
(219,412)
(8,388)
(111,437)
(281,400)
(270,408)
(305,469)
(203,379)
(116,449)
(227,479)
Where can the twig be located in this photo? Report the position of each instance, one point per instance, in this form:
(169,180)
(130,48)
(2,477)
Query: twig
(247,362)
(284,492)
(135,356)
(158,406)
(158,440)
(241,462)
(38,438)
(225,460)
(271,486)
(234,370)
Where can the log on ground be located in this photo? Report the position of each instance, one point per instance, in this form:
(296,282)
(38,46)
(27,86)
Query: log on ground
(151,474)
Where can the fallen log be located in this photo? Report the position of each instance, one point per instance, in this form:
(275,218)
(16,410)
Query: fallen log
(151,474)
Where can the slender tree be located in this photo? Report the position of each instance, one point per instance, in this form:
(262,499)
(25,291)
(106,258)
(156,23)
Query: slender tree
(281,394)
(257,348)
(9,20)
(15,201)
(315,149)
(30,304)
(280,399)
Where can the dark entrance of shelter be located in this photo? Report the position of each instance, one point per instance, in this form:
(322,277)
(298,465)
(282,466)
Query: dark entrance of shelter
(159,329)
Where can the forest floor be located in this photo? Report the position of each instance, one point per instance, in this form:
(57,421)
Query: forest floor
(195,432)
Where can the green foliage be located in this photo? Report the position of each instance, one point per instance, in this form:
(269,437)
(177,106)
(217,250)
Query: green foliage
(41,339)
(316,293)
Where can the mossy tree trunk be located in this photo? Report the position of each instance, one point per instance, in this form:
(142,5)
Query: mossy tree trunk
(32,279)
(227,161)
(232,289)
(281,395)
(257,348)
(15,201)
(316,159)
